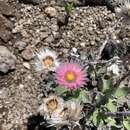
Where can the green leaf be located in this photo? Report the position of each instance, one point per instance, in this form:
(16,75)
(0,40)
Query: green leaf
(81,96)
(126,124)
(111,106)
(75,93)
(120,101)
(97,118)
(121,92)
(106,83)
(84,96)
(94,117)
(69,7)
(110,121)
(60,90)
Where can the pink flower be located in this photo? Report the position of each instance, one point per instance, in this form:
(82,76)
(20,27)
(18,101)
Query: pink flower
(71,75)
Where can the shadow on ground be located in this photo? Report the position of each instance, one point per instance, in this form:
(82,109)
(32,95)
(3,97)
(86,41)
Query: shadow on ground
(34,123)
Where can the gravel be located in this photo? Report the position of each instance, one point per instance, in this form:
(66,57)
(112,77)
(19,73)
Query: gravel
(24,30)
(20,45)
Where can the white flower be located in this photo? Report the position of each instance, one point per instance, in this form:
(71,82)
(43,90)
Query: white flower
(74,110)
(57,120)
(58,112)
(46,60)
(52,104)
(69,115)
(114,68)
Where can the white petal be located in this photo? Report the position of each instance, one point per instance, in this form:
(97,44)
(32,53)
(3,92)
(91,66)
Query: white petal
(41,56)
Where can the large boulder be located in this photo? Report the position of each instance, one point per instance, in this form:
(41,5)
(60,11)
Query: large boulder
(7,60)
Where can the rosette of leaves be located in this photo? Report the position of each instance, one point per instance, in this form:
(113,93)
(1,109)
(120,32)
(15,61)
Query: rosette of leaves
(69,7)
(110,110)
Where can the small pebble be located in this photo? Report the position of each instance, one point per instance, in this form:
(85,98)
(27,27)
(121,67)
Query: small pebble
(26,65)
(21,86)
(28,53)
(51,12)
(20,45)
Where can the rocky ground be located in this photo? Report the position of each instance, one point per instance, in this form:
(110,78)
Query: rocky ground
(29,25)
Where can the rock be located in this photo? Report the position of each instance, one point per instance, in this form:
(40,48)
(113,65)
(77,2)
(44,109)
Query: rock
(33,2)
(5,35)
(28,53)
(21,86)
(4,93)
(7,60)
(5,29)
(51,12)
(92,43)
(62,20)
(54,27)
(6,9)
(74,50)
(50,39)
(4,23)
(20,45)
(82,44)
(44,35)
(26,65)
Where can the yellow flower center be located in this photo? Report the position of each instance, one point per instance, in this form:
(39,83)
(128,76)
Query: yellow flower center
(52,104)
(48,61)
(70,76)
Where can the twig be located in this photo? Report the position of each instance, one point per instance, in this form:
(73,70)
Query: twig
(116,114)
(101,61)
(102,48)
